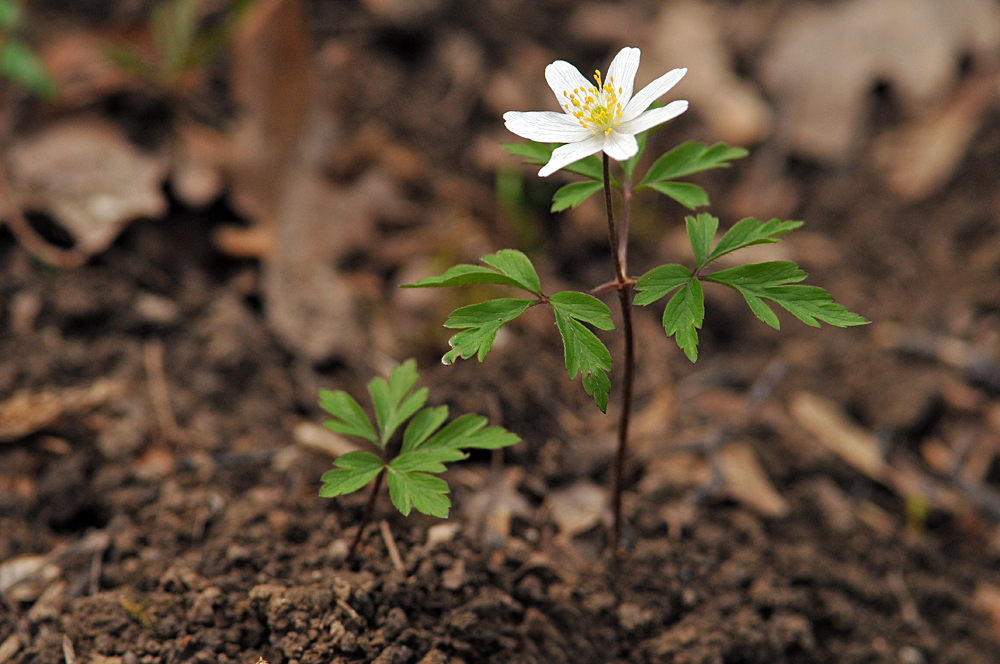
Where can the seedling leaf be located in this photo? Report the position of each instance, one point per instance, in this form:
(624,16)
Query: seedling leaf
(422,426)
(349,417)
(353,471)
(479,324)
(409,489)
(390,400)
(467,432)
(573,194)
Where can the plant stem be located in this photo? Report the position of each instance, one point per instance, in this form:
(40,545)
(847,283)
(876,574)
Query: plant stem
(619,253)
(366,519)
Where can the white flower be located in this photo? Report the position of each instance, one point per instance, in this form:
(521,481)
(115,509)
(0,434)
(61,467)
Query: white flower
(596,117)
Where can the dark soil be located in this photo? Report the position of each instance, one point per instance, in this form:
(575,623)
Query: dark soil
(209,543)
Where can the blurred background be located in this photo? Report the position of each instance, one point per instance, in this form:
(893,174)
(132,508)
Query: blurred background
(208,207)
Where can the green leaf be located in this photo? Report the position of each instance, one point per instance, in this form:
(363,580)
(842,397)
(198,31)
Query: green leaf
(11,15)
(409,489)
(684,315)
(628,166)
(422,426)
(540,153)
(479,324)
(659,282)
(390,400)
(467,432)
(701,231)
(517,266)
(689,195)
(749,232)
(777,281)
(350,418)
(583,307)
(507,267)
(425,461)
(130,60)
(587,355)
(353,471)
(573,194)
(689,158)
(19,63)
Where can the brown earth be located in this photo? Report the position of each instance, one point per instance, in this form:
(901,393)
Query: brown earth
(170,515)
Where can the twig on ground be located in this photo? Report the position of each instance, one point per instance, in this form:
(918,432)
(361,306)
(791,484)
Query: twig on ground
(390,544)
(159,392)
(28,237)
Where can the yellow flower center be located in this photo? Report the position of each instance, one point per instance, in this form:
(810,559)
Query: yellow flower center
(596,108)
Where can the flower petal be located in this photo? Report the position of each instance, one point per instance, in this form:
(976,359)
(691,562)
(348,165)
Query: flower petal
(651,93)
(572,152)
(622,71)
(545,126)
(564,77)
(653,117)
(620,146)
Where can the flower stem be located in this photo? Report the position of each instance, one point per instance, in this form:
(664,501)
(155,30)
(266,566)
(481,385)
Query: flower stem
(619,253)
(366,519)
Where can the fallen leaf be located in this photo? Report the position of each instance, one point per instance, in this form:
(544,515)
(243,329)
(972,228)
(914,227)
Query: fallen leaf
(27,412)
(825,420)
(919,158)
(747,482)
(987,600)
(826,58)
(320,439)
(688,33)
(86,175)
(578,508)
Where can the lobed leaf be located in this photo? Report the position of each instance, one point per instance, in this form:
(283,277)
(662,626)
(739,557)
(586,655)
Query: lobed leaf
(583,307)
(391,401)
(422,426)
(507,267)
(353,471)
(517,266)
(349,417)
(573,194)
(587,355)
(689,195)
(539,154)
(777,281)
(659,282)
(701,231)
(690,158)
(479,324)
(409,489)
(749,232)
(467,432)
(684,315)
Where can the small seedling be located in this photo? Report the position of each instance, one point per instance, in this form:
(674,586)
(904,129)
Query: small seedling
(606,117)
(18,62)
(183,46)
(410,463)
